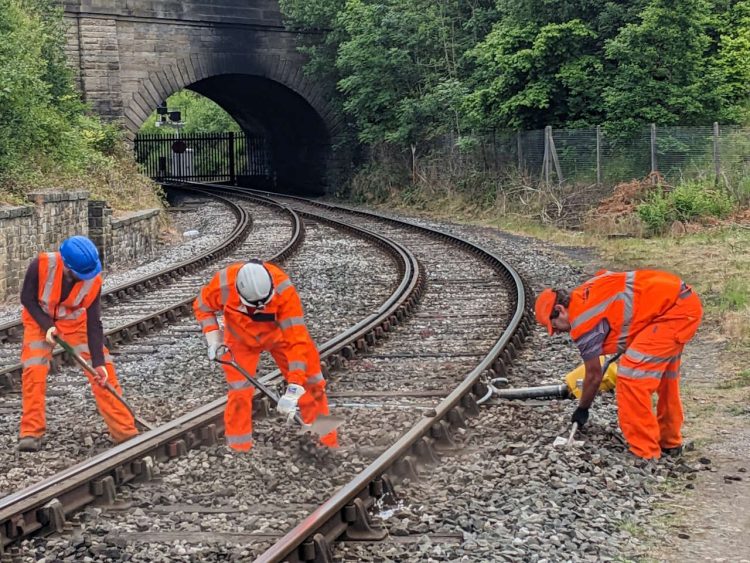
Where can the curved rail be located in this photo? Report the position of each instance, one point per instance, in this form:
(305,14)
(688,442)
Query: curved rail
(310,540)
(43,507)
(10,376)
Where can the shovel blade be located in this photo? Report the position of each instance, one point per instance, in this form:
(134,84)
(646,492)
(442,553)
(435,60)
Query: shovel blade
(323,425)
(560,442)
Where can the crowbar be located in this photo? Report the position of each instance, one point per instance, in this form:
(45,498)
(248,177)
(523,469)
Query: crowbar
(322,425)
(107,385)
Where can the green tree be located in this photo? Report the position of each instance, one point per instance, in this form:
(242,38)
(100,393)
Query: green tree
(543,63)
(200,114)
(660,67)
(729,75)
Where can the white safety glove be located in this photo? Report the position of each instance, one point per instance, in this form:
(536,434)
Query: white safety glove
(51,333)
(215,339)
(288,403)
(103,375)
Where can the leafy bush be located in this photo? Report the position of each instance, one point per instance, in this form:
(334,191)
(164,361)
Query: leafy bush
(47,139)
(688,201)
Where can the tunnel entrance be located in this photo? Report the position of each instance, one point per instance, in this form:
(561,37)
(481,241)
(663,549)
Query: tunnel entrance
(283,144)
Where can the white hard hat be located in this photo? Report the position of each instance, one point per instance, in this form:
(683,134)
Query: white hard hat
(254,284)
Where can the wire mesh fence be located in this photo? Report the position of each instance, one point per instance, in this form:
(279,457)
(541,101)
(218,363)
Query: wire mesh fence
(592,156)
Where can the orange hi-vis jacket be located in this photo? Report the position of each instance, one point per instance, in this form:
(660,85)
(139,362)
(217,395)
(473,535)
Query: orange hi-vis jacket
(280,320)
(74,307)
(629,301)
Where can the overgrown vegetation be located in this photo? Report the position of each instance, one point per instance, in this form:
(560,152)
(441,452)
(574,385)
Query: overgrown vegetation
(407,71)
(429,87)
(689,200)
(47,139)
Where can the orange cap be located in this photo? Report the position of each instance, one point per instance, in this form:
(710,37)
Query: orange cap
(545,303)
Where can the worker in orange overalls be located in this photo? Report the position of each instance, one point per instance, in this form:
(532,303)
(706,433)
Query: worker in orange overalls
(648,316)
(61,297)
(262,312)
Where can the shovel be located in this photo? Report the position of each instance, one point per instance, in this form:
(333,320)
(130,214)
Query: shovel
(107,385)
(321,426)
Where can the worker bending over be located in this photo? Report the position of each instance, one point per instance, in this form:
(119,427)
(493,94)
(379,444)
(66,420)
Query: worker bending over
(648,315)
(262,312)
(61,297)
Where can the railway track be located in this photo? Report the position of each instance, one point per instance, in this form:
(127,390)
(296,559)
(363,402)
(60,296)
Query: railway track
(404,400)
(313,282)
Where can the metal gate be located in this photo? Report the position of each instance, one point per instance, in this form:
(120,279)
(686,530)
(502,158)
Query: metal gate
(211,157)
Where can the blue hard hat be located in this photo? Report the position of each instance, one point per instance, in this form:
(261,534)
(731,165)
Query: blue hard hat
(81,257)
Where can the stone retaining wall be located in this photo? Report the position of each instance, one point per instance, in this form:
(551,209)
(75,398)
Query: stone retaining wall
(51,217)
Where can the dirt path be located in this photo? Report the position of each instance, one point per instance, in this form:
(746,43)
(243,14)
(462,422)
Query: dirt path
(711,521)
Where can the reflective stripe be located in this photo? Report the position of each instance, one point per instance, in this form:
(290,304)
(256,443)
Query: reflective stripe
(589,314)
(627,313)
(238,385)
(70,314)
(298,365)
(224,285)
(233,332)
(313,379)
(207,323)
(81,349)
(38,345)
(286,284)
(638,373)
(242,439)
(292,321)
(37,361)
(108,359)
(83,292)
(53,264)
(202,306)
(626,296)
(640,357)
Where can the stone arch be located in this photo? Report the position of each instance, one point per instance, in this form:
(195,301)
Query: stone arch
(192,69)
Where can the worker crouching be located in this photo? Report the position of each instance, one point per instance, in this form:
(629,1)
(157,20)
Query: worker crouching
(262,312)
(61,296)
(648,316)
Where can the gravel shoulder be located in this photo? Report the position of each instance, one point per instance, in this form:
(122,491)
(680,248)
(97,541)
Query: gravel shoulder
(706,516)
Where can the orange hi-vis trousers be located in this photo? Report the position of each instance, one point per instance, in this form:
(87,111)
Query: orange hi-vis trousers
(238,414)
(651,364)
(35,358)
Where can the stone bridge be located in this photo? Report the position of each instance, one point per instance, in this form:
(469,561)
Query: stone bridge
(130,55)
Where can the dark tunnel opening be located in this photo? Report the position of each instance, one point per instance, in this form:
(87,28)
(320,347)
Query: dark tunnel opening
(297,138)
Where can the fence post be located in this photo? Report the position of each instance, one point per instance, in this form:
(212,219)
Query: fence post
(546,163)
(598,156)
(232,171)
(717,153)
(519,150)
(654,168)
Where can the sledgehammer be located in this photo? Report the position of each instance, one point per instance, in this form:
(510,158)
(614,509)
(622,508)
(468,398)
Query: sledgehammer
(107,385)
(321,426)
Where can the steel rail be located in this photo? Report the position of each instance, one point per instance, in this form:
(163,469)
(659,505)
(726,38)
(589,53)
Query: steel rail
(10,376)
(11,329)
(311,539)
(43,507)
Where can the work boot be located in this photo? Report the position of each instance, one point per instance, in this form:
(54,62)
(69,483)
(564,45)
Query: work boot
(672,452)
(29,444)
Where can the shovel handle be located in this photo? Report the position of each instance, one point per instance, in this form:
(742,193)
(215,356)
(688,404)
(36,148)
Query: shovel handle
(107,385)
(573,431)
(224,350)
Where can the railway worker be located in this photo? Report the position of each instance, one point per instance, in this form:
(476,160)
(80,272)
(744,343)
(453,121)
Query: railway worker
(61,296)
(262,312)
(649,316)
